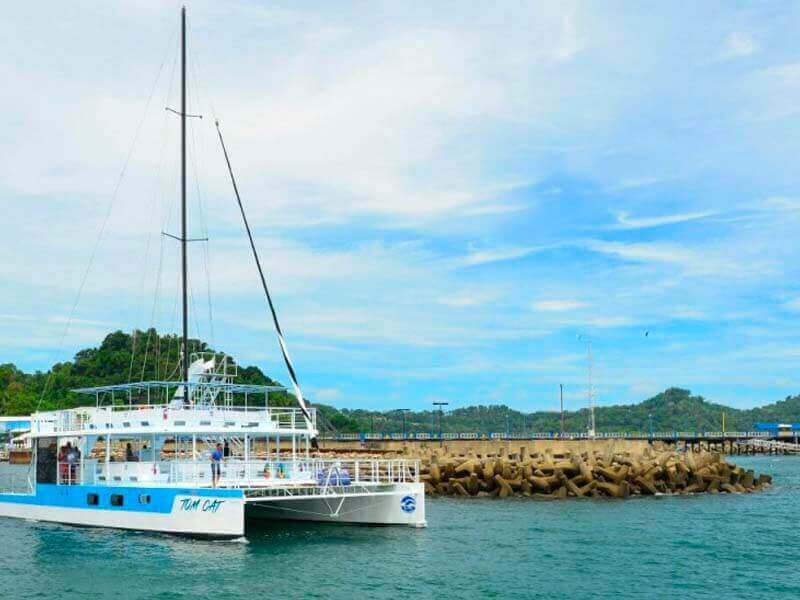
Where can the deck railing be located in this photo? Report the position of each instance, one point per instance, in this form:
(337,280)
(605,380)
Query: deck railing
(157,417)
(16,483)
(241,474)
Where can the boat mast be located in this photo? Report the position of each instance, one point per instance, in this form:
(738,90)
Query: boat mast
(185,354)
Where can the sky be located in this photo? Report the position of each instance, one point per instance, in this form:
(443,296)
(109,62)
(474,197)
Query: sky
(450,199)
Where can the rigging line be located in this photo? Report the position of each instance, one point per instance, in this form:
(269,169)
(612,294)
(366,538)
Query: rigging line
(147,251)
(194,310)
(166,217)
(152,314)
(105,221)
(206,247)
(281,341)
(169,341)
(157,194)
(176,309)
(194,69)
(204,228)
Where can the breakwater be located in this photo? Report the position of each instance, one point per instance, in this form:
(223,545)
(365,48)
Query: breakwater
(588,474)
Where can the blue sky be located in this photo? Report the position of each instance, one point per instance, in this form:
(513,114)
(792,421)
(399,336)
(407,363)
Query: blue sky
(445,195)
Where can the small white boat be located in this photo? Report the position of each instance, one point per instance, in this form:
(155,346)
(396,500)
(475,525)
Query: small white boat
(200,455)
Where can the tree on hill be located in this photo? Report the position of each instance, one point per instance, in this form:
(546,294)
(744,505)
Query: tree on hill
(149,356)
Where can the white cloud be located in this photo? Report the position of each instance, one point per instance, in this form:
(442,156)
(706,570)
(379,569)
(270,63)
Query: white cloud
(493,255)
(627,222)
(720,261)
(466,299)
(558,305)
(792,305)
(738,44)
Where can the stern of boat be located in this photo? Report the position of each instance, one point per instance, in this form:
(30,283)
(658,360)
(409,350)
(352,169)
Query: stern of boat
(397,504)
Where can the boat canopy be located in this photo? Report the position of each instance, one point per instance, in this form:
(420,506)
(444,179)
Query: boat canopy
(143,386)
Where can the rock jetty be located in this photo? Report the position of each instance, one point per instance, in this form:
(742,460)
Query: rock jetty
(586,475)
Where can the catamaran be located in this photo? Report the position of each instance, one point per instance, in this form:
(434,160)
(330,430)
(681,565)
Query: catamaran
(200,455)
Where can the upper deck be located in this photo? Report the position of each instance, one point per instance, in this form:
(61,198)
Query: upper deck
(210,408)
(167,419)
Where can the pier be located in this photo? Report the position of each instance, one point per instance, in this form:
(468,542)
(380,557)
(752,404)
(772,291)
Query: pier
(728,442)
(762,446)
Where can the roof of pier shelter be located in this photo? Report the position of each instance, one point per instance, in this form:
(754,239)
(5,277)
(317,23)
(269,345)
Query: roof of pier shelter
(143,386)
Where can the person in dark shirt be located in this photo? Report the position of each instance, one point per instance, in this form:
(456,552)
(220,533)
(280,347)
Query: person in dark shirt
(216,459)
(130,455)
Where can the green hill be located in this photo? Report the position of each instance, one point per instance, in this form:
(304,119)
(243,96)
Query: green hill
(143,356)
(146,355)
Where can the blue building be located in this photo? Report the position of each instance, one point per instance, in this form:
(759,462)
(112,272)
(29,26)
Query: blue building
(779,430)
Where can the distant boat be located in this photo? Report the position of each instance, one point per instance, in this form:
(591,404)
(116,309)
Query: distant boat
(201,454)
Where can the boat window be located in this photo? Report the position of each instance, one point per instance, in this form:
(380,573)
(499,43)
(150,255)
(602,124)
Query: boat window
(180,423)
(126,424)
(46,460)
(208,423)
(117,499)
(144,498)
(92,499)
(145,423)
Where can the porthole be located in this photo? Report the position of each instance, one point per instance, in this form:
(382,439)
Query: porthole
(117,500)
(144,498)
(92,499)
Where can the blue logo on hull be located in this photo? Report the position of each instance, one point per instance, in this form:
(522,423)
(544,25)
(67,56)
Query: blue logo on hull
(408,504)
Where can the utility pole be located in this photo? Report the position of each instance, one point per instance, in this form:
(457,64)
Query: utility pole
(403,412)
(592,429)
(590,386)
(508,425)
(561,398)
(441,413)
(650,423)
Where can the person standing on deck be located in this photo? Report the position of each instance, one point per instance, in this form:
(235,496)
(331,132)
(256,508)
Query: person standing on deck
(216,458)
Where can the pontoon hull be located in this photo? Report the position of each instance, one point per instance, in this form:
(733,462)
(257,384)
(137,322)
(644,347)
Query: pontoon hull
(400,504)
(192,512)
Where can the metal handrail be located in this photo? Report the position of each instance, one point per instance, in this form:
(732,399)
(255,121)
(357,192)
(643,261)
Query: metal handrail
(157,414)
(252,473)
(16,483)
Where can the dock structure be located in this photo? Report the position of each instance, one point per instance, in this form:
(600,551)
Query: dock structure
(762,446)
(728,442)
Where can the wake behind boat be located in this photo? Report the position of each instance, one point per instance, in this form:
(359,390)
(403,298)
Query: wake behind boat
(201,454)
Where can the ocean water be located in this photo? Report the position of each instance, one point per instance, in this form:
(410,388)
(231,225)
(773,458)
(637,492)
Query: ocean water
(742,546)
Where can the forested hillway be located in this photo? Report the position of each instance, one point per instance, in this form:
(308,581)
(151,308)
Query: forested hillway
(148,355)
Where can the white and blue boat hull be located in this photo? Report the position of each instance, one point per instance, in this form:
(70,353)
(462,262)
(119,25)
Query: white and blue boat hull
(215,513)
